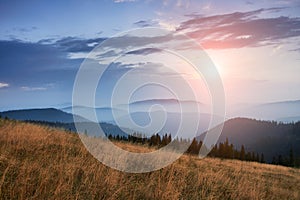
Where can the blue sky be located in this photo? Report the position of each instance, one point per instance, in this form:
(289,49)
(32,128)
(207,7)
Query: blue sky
(255,44)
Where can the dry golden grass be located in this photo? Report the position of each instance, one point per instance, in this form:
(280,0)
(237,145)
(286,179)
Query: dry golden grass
(37,162)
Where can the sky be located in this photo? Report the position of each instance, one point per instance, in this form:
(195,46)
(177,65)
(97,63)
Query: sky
(255,45)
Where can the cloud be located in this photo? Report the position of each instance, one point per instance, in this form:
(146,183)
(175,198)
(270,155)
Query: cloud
(26,88)
(240,29)
(126,41)
(3,85)
(297,50)
(122,1)
(145,23)
(25,30)
(47,41)
(74,44)
(144,51)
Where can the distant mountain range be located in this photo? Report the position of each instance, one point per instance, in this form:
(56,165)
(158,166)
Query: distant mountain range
(105,115)
(165,102)
(141,111)
(285,111)
(41,114)
(61,119)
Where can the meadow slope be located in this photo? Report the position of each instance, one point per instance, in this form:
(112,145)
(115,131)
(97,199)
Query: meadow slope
(38,162)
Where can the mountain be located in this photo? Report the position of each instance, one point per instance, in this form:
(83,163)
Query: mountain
(138,114)
(90,128)
(57,118)
(164,101)
(41,114)
(170,105)
(270,138)
(286,111)
(104,114)
(289,119)
(139,119)
(171,124)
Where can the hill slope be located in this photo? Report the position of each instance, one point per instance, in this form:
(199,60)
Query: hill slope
(38,162)
(270,138)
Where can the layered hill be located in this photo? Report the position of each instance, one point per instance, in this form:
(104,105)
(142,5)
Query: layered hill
(271,138)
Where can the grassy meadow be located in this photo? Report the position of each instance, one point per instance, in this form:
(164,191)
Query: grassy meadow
(39,162)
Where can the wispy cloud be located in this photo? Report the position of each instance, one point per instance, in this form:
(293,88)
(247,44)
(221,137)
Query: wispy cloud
(145,51)
(3,85)
(74,44)
(122,1)
(241,29)
(25,30)
(26,88)
(145,23)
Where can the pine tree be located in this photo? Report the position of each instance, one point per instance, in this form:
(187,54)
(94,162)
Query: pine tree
(231,151)
(274,161)
(158,139)
(292,159)
(252,156)
(169,139)
(280,160)
(193,148)
(248,156)
(242,154)
(221,151)
(226,149)
(262,158)
(257,157)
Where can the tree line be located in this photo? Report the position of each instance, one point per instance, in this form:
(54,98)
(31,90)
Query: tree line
(224,150)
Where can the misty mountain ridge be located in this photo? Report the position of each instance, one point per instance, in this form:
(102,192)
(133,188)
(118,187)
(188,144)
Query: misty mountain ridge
(41,114)
(285,111)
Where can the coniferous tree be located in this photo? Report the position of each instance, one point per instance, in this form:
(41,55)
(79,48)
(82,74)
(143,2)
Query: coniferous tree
(236,154)
(257,157)
(252,156)
(280,160)
(118,138)
(291,158)
(110,137)
(231,151)
(213,152)
(226,149)
(169,139)
(248,156)
(221,151)
(274,161)
(242,153)
(262,158)
(193,148)
(165,139)
(158,139)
